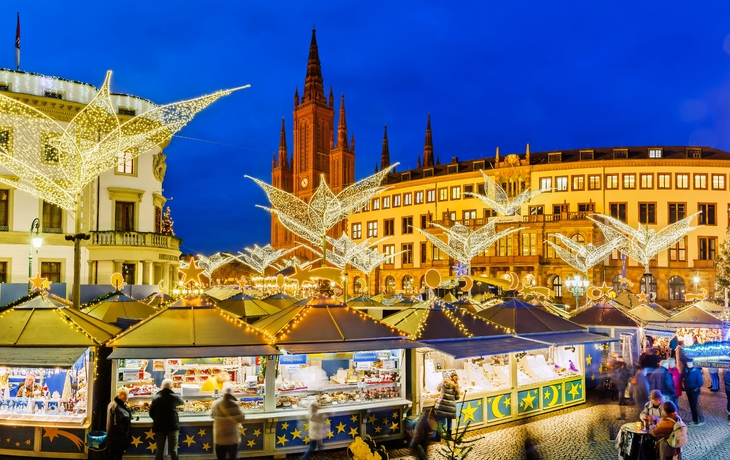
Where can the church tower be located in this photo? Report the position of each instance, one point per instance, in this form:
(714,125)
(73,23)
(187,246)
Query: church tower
(342,160)
(281,177)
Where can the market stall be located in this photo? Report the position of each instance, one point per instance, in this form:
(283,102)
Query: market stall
(247,308)
(119,306)
(692,325)
(280,300)
(48,359)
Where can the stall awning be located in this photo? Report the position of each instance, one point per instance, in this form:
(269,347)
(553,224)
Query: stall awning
(39,356)
(193,352)
(484,347)
(359,345)
(570,338)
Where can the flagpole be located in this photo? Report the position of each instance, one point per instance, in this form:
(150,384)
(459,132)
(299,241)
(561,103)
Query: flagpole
(17,45)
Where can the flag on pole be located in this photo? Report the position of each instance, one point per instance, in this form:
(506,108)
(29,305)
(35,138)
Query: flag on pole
(17,45)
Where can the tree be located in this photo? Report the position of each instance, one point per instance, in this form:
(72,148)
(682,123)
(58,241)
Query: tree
(722,265)
(167,223)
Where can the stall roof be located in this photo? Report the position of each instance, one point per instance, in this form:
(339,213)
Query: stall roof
(193,352)
(484,346)
(695,317)
(443,321)
(45,323)
(323,319)
(569,338)
(280,300)
(40,357)
(629,300)
(469,305)
(365,302)
(190,322)
(119,306)
(647,313)
(449,297)
(158,299)
(524,318)
(602,314)
(355,345)
(710,307)
(246,306)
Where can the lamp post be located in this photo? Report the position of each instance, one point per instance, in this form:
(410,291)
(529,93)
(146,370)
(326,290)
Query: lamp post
(577,287)
(696,279)
(35,243)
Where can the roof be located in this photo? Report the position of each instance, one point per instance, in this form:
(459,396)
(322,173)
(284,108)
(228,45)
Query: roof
(280,300)
(646,313)
(602,314)
(364,302)
(119,306)
(245,306)
(694,315)
(524,318)
(710,307)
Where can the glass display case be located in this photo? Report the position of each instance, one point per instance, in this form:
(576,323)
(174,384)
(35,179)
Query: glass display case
(547,364)
(476,375)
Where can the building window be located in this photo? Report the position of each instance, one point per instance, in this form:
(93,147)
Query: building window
(647,213)
(468,189)
(594,182)
(489,213)
(357,231)
(529,244)
(407,197)
(4,210)
(546,184)
(586,207)
(125,163)
(561,184)
(158,219)
(423,253)
(436,253)
(372,229)
(676,212)
(646,181)
(555,157)
(537,210)
(718,182)
(124,216)
(389,227)
(407,227)
(701,181)
(649,281)
(51,271)
(676,288)
(678,251)
(3,272)
(52,218)
(406,255)
(455,193)
(557,286)
(694,153)
(468,216)
(504,246)
(129,272)
(707,213)
(49,152)
(449,215)
(578,182)
(664,181)
(430,196)
(389,252)
(126,111)
(548,249)
(629,181)
(480,189)
(376,204)
(396,201)
(443,194)
(682,181)
(618,211)
(655,153)
(386,202)
(560,208)
(424,220)
(708,247)
(611,181)
(407,283)
(389,285)
(586,155)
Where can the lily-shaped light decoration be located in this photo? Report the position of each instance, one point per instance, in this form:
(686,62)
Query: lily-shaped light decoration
(369,260)
(643,243)
(345,250)
(311,221)
(464,243)
(260,258)
(496,198)
(291,262)
(213,263)
(582,256)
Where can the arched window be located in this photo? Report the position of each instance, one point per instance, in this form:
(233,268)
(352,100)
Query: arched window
(616,283)
(556,285)
(648,279)
(389,285)
(676,288)
(357,285)
(422,283)
(407,283)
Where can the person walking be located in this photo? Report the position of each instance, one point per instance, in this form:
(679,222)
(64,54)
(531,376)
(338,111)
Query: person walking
(660,379)
(227,418)
(677,379)
(726,379)
(317,430)
(665,428)
(118,424)
(640,389)
(714,378)
(165,421)
(673,346)
(445,407)
(692,385)
(621,378)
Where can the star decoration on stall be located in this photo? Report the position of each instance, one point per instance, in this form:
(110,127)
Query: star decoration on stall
(285,425)
(589,359)
(394,426)
(642,297)
(27,442)
(283,440)
(372,419)
(37,282)
(593,377)
(507,401)
(251,443)
(395,415)
(296,434)
(257,432)
(574,390)
(243,430)
(330,435)
(546,394)
(201,432)
(340,428)
(468,412)
(152,447)
(354,432)
(378,429)
(353,418)
(192,272)
(149,434)
(136,441)
(206,446)
(189,440)
(306,427)
(306,440)
(527,401)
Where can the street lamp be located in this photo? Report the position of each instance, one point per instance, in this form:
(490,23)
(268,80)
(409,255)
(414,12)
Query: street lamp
(577,287)
(35,243)
(696,280)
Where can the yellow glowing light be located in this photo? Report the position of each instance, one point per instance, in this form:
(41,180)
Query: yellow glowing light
(260,258)
(582,256)
(496,198)
(464,243)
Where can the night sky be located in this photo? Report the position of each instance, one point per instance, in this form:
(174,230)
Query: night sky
(557,75)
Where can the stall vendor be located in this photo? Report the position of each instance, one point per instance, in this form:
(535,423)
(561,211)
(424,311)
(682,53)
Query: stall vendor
(29,387)
(216,382)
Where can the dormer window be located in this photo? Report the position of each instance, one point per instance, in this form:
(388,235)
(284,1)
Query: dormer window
(586,155)
(555,157)
(53,94)
(405,176)
(478,165)
(452,169)
(694,152)
(428,172)
(126,111)
(655,153)
(620,153)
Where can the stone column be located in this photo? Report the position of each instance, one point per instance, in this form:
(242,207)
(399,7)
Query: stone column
(118,266)
(92,272)
(147,274)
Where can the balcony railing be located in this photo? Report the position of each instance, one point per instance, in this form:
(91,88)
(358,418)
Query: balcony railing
(482,221)
(139,239)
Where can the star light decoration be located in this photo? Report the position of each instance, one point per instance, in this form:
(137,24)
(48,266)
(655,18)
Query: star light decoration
(582,256)
(642,243)
(261,257)
(311,221)
(497,199)
(460,270)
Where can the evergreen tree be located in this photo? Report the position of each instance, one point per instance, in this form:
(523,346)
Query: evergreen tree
(167,223)
(722,266)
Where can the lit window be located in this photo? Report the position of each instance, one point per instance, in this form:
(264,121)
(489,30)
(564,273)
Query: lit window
(708,247)
(594,182)
(443,194)
(707,213)
(430,196)
(357,231)
(396,201)
(546,184)
(700,181)
(125,163)
(612,181)
(376,204)
(561,184)
(655,153)
(647,181)
(455,193)
(578,182)
(386,202)
(389,251)
(647,213)
(682,180)
(664,181)
(419,198)
(629,180)
(718,182)
(372,229)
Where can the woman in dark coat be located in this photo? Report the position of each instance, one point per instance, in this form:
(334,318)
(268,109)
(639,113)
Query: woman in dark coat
(118,424)
(445,407)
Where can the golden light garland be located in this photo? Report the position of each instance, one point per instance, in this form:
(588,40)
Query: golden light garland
(582,256)
(496,198)
(464,243)
(55,163)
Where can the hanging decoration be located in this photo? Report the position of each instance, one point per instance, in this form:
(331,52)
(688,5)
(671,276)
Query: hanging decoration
(538,292)
(595,293)
(191,273)
(291,262)
(582,256)
(701,295)
(496,198)
(261,257)
(212,263)
(460,269)
(117,280)
(309,274)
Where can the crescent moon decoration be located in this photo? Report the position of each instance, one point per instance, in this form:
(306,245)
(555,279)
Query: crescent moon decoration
(495,407)
(556,393)
(469,284)
(514,281)
(161,285)
(117,280)
(594,293)
(433,278)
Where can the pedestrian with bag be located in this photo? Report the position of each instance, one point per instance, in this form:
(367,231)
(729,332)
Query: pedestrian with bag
(677,379)
(227,418)
(165,421)
(426,433)
(670,433)
(693,382)
(118,425)
(445,406)
(317,430)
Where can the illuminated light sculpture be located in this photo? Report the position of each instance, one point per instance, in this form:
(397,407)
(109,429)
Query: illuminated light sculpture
(311,221)
(291,262)
(497,199)
(262,257)
(582,256)
(55,163)
(642,243)
(213,263)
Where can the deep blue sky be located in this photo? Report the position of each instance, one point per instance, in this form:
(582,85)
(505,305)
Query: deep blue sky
(558,75)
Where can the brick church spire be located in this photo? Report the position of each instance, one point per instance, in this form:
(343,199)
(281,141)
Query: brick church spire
(385,154)
(428,146)
(342,125)
(283,156)
(313,83)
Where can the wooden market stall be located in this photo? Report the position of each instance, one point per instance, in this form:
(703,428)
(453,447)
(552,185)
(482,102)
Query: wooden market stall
(118,306)
(247,308)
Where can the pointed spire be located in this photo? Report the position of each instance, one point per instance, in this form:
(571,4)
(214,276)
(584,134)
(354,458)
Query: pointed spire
(527,153)
(352,143)
(313,83)
(438,160)
(331,98)
(376,167)
(385,154)
(496,160)
(273,160)
(296,97)
(418,165)
(428,146)
(342,126)
(283,157)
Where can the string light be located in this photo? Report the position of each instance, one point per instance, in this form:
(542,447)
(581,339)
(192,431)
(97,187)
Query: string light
(55,163)
(496,198)
(213,263)
(345,251)
(291,262)
(260,258)
(582,256)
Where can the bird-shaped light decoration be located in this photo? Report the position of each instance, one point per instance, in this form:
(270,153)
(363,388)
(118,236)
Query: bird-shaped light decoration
(496,198)
(261,257)
(582,256)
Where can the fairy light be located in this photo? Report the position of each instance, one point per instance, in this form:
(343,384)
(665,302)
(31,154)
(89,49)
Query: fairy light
(642,243)
(260,258)
(346,252)
(213,263)
(55,163)
(496,198)
(582,256)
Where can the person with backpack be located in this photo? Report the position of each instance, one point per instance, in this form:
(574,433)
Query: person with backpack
(670,433)
(693,382)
